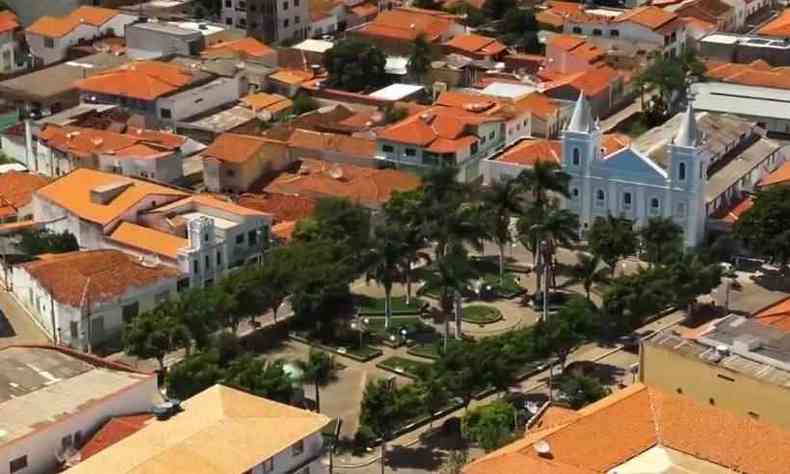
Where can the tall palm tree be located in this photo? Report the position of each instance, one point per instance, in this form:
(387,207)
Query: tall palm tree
(413,253)
(543,178)
(450,274)
(502,201)
(589,270)
(318,369)
(422,53)
(383,263)
(551,228)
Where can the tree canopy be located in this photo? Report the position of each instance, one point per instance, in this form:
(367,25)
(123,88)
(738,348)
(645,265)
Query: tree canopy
(612,238)
(36,242)
(764,227)
(490,426)
(354,65)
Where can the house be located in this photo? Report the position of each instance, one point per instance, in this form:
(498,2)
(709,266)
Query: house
(145,153)
(16,195)
(517,119)
(272,20)
(232,163)
(48,91)
(763,105)
(648,26)
(546,118)
(245,48)
(737,363)
(220,430)
(288,82)
(717,12)
(441,136)
(85,298)
(395,30)
(757,73)
(745,49)
(642,429)
(54,398)
(779,177)
(234,13)
(367,187)
(49,38)
(286,211)
(11,57)
(162,92)
(270,106)
(201,236)
(327,17)
(153,39)
(570,54)
(604,87)
(476,47)
(170,9)
(332,147)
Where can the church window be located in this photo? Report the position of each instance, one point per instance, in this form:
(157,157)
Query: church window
(576,158)
(575,194)
(655,206)
(627,201)
(682,171)
(600,197)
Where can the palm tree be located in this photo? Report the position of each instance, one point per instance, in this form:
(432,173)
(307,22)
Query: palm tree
(501,201)
(318,370)
(543,178)
(552,228)
(450,274)
(414,243)
(589,270)
(383,263)
(422,53)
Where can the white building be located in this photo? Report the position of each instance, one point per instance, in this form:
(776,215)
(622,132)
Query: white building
(11,59)
(85,298)
(50,38)
(53,398)
(220,430)
(234,13)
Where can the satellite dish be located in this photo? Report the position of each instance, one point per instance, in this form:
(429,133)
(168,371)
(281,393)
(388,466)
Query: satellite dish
(542,447)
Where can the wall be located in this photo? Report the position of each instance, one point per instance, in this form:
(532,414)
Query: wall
(41,446)
(140,39)
(631,32)
(668,370)
(166,169)
(238,177)
(200,99)
(286,463)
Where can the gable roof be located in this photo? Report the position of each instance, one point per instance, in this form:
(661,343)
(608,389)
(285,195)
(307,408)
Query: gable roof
(778,27)
(136,143)
(245,47)
(221,430)
(235,148)
(8,21)
(146,80)
(473,43)
(648,16)
(621,426)
(56,27)
(283,207)
(93,276)
(148,239)
(116,429)
(408,23)
(358,147)
(527,152)
(779,176)
(757,73)
(640,163)
(16,190)
(73,193)
(438,123)
(776,315)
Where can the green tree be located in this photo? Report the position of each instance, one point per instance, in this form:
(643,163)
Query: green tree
(393,114)
(339,221)
(581,390)
(200,310)
(589,270)
(502,202)
(304,103)
(490,426)
(690,277)
(496,9)
(318,370)
(354,65)
(154,334)
(450,275)
(434,394)
(667,75)
(470,15)
(195,373)
(550,228)
(519,28)
(764,227)
(573,324)
(384,262)
(256,376)
(403,211)
(422,53)
(464,371)
(37,242)
(276,279)
(662,239)
(543,178)
(612,238)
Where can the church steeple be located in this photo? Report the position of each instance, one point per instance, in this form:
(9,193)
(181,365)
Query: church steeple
(581,120)
(687,133)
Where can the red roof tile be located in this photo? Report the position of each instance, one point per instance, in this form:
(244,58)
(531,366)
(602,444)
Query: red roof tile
(16,190)
(408,23)
(246,47)
(476,44)
(778,27)
(56,27)
(146,80)
(8,21)
(283,207)
(234,148)
(114,430)
(136,143)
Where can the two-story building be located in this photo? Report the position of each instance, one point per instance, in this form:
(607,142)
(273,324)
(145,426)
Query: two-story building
(11,58)
(232,163)
(441,136)
(50,38)
(394,31)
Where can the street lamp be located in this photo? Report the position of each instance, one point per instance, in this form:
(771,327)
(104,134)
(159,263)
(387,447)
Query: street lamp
(360,325)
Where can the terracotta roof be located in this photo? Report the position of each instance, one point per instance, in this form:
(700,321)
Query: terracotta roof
(780,176)
(476,44)
(758,73)
(283,207)
(647,16)
(284,230)
(116,429)
(365,10)
(16,190)
(8,21)
(234,148)
(576,46)
(218,202)
(320,9)
(776,315)
(221,430)
(94,276)
(423,128)
(408,23)
(291,76)
(263,101)
(136,143)
(246,47)
(529,152)
(148,239)
(146,80)
(357,147)
(590,82)
(621,426)
(550,18)
(733,212)
(368,186)
(56,27)
(73,193)
(539,105)
(778,27)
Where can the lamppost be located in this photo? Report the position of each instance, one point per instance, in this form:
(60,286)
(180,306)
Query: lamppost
(360,325)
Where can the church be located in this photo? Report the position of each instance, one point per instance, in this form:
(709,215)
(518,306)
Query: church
(628,184)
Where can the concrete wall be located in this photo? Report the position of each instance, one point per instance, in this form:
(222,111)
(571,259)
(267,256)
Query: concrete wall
(167,169)
(715,385)
(631,32)
(238,177)
(40,446)
(140,39)
(286,462)
(200,99)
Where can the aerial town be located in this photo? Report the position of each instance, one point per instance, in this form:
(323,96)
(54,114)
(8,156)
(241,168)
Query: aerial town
(394,236)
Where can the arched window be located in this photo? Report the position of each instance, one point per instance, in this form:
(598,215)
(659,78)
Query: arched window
(600,198)
(576,157)
(654,203)
(682,171)
(600,195)
(575,193)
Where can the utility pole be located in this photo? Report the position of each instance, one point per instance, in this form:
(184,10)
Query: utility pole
(545,283)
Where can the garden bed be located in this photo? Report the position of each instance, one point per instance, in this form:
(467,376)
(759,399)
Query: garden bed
(431,350)
(367,306)
(481,314)
(360,354)
(402,366)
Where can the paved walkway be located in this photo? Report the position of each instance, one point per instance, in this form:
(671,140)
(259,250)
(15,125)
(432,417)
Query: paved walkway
(16,324)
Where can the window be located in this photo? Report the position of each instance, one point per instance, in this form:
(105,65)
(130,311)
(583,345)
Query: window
(228,4)
(49,43)
(129,311)
(724,377)
(252,237)
(627,201)
(228,21)
(296,3)
(268,465)
(491,135)
(655,206)
(473,148)
(195,266)
(597,32)
(577,30)
(700,171)
(240,239)
(297,448)
(600,198)
(614,33)
(576,157)
(682,171)
(17,464)
(66,442)
(161,297)
(410,152)
(208,262)
(297,19)
(230,173)
(285,6)
(74,330)
(285,23)
(183,284)
(430,159)
(575,194)
(219,258)
(387,148)
(165,113)
(482,140)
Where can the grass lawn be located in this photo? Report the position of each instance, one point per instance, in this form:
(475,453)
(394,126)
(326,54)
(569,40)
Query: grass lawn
(429,350)
(375,306)
(404,366)
(481,314)
(509,287)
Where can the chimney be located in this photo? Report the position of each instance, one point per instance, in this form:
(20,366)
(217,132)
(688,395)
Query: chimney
(105,193)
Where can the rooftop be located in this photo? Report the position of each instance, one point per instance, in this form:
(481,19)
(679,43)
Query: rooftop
(116,429)
(224,120)
(270,102)
(439,129)
(776,315)
(357,147)
(407,23)
(283,207)
(145,80)
(149,240)
(779,176)
(8,21)
(16,190)
(40,385)
(473,43)
(758,73)
(221,430)
(731,170)
(82,142)
(527,152)
(314,46)
(234,148)
(739,99)
(57,27)
(620,431)
(779,27)
(245,47)
(395,92)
